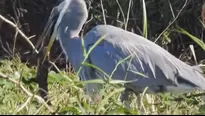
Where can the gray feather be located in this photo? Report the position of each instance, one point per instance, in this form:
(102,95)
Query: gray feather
(162,68)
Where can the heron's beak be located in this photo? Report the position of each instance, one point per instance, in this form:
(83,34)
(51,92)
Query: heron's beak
(57,13)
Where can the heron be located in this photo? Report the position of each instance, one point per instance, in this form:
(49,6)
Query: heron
(164,72)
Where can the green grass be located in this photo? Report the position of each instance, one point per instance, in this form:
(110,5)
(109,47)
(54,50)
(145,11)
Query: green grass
(66,91)
(67,96)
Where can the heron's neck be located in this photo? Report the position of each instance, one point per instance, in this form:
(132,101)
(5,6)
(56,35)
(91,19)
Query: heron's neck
(71,46)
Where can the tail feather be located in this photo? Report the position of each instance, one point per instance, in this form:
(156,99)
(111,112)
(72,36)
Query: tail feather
(191,77)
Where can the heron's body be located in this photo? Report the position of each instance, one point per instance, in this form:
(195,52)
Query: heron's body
(148,59)
(164,71)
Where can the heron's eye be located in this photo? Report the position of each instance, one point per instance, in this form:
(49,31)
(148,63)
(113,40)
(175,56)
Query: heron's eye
(66,29)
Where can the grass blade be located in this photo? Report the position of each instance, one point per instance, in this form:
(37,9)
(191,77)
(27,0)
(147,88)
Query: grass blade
(144,19)
(195,39)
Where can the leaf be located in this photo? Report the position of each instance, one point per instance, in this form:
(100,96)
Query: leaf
(100,81)
(69,109)
(7,84)
(104,101)
(121,81)
(55,77)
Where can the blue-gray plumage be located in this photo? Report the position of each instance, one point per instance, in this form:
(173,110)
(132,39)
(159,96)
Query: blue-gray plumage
(163,71)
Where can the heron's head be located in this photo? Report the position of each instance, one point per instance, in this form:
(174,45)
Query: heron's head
(72,16)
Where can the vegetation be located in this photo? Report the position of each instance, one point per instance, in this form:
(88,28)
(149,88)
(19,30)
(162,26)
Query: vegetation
(173,24)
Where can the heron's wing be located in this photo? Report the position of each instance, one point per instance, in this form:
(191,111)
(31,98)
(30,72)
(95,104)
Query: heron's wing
(149,59)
